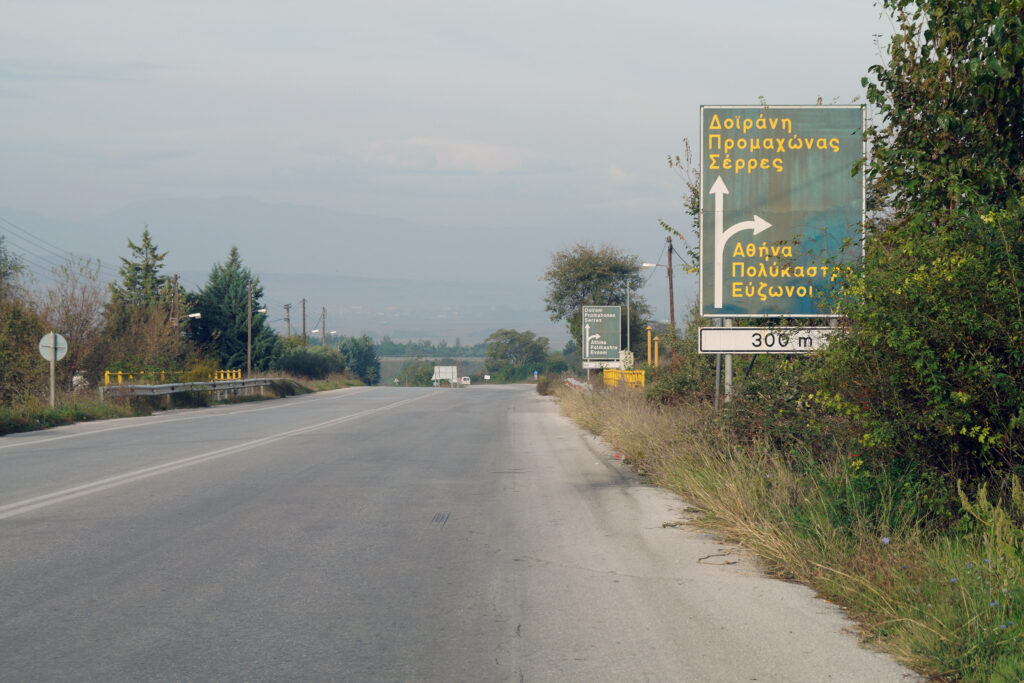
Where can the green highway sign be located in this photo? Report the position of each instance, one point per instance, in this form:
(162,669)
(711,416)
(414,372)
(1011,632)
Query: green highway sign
(602,332)
(780,207)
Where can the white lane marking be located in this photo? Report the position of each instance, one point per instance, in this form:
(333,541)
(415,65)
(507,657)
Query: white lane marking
(145,423)
(29,504)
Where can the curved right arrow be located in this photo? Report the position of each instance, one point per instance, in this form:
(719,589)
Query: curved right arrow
(758,225)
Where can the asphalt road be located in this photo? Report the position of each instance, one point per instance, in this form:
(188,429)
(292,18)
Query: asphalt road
(384,534)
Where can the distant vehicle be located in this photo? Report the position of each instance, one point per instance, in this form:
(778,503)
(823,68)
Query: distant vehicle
(465,381)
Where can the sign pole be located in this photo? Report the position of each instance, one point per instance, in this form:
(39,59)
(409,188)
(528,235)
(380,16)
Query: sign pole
(718,371)
(629,346)
(728,369)
(53,369)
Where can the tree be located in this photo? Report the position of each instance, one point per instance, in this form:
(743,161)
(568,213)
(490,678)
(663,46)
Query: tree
(223,329)
(952,116)
(138,330)
(416,372)
(22,371)
(10,270)
(509,353)
(583,275)
(74,307)
(361,358)
(932,361)
(141,283)
(690,175)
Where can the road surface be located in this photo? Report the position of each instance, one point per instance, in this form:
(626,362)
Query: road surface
(378,534)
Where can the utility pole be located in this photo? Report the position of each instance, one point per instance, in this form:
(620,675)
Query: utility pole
(248,343)
(174,306)
(671,301)
(323,327)
(287,320)
(304,342)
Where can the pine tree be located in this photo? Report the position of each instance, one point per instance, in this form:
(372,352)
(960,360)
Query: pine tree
(224,305)
(141,283)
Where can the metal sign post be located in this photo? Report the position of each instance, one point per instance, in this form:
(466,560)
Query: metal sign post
(53,347)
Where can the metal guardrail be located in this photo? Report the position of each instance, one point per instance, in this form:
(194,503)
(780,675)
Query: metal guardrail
(235,387)
(576,384)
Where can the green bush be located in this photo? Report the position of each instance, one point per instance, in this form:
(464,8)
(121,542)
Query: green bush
(931,362)
(683,375)
(930,365)
(312,362)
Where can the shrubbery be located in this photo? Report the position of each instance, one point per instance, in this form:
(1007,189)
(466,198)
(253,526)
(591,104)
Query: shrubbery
(312,362)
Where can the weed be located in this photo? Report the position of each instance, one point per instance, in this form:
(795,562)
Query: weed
(947,599)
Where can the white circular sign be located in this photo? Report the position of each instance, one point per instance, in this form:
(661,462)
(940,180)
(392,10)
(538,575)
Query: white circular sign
(46,345)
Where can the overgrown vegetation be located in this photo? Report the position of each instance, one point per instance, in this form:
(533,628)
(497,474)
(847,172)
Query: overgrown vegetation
(32,415)
(947,600)
(885,470)
(930,365)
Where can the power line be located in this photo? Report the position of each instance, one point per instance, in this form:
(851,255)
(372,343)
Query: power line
(658,262)
(44,250)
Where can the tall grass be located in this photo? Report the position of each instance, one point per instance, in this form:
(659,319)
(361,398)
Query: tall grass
(32,413)
(947,602)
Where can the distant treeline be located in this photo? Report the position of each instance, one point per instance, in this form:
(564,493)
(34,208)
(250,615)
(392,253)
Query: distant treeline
(388,347)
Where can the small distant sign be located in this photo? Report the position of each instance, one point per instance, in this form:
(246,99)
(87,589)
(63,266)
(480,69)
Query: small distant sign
(602,364)
(47,344)
(445,373)
(602,332)
(764,339)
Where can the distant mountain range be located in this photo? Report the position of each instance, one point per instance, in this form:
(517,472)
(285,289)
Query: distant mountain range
(376,275)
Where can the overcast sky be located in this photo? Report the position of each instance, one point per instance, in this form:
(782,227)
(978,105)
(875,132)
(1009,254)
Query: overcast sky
(550,117)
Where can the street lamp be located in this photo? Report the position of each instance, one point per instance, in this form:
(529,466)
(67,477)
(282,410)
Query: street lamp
(248,344)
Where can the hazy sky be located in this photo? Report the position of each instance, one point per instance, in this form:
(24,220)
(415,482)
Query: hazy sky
(552,118)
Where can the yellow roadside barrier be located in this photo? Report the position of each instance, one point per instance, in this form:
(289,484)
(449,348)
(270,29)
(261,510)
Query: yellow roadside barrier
(635,379)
